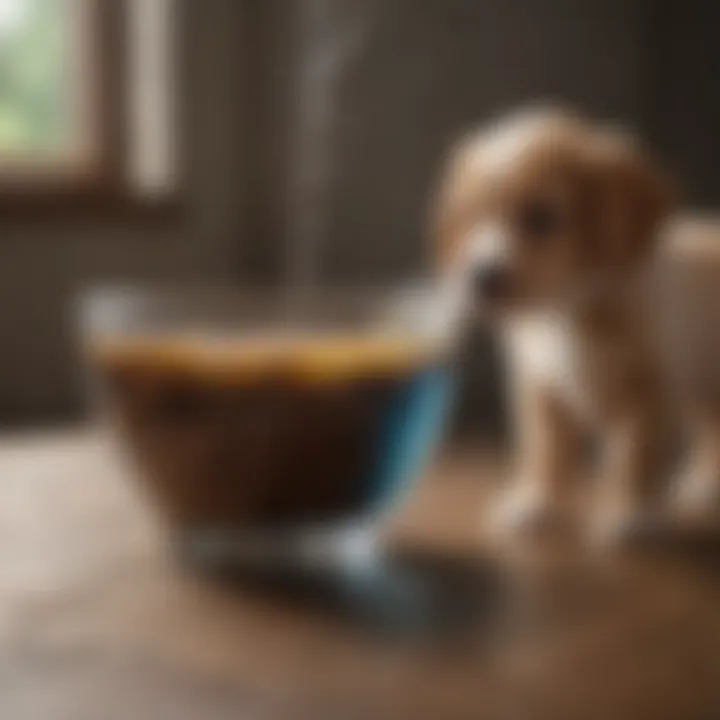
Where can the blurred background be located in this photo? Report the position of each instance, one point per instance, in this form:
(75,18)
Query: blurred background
(238,141)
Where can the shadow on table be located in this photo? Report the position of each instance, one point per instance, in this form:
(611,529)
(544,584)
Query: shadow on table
(404,594)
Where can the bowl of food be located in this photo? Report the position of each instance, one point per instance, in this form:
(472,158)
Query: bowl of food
(261,419)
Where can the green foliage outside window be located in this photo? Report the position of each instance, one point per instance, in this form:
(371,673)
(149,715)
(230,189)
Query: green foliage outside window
(34,100)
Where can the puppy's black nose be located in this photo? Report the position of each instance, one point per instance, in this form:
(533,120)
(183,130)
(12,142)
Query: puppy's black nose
(490,283)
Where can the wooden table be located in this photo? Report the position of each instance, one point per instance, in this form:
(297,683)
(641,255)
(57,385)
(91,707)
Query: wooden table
(97,622)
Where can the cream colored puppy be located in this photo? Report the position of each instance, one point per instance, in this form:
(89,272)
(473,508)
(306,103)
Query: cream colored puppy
(609,310)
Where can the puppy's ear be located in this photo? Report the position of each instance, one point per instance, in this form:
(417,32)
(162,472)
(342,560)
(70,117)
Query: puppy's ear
(632,201)
(451,204)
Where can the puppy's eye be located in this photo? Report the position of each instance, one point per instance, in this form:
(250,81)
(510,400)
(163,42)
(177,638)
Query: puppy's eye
(539,219)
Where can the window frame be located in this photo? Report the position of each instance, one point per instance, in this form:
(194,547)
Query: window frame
(99,183)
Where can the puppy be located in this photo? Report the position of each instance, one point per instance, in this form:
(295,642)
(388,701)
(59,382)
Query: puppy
(560,232)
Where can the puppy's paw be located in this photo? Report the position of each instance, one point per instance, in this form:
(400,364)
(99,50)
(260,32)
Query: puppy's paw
(695,493)
(619,522)
(521,507)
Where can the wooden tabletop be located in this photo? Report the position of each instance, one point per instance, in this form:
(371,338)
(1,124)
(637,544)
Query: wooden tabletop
(97,621)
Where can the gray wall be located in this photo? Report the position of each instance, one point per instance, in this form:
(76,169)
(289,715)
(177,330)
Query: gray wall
(683,62)
(316,127)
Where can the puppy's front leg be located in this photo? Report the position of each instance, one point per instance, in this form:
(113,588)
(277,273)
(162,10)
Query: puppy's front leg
(697,490)
(634,452)
(543,462)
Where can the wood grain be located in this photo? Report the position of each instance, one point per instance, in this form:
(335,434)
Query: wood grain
(96,621)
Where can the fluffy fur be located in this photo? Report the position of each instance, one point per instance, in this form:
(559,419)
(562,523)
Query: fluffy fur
(561,232)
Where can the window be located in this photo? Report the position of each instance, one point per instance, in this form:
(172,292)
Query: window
(44,91)
(86,97)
